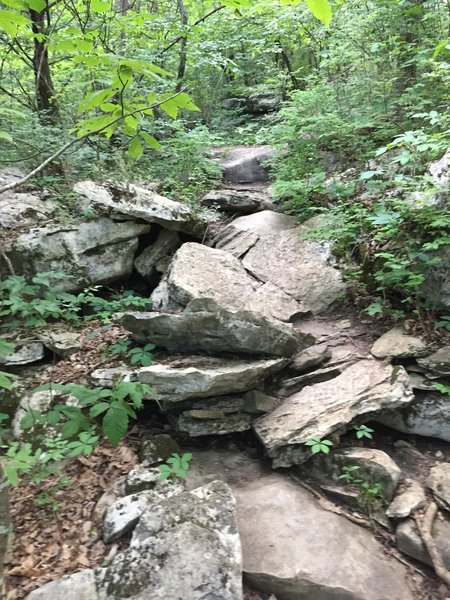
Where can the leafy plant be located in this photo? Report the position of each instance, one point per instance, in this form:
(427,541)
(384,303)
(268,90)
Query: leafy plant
(137,355)
(362,431)
(176,467)
(318,445)
(370,493)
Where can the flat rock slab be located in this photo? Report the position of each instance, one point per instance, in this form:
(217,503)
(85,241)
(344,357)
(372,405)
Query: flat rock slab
(232,201)
(361,391)
(196,377)
(140,203)
(61,342)
(150,259)
(95,252)
(303,270)
(294,549)
(244,164)
(204,326)
(411,498)
(24,354)
(427,415)
(184,547)
(374,466)
(439,362)
(197,271)
(24,209)
(439,483)
(395,343)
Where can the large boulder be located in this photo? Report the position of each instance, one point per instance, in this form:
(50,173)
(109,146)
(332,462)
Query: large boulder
(360,392)
(296,550)
(128,200)
(245,164)
(204,326)
(237,201)
(438,362)
(410,543)
(396,343)
(427,415)
(21,209)
(303,270)
(197,271)
(184,547)
(195,377)
(154,258)
(95,252)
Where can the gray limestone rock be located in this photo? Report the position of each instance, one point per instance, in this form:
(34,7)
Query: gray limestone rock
(410,543)
(25,353)
(184,547)
(149,261)
(361,391)
(427,415)
(395,343)
(237,201)
(374,466)
(158,448)
(411,498)
(196,377)
(61,342)
(438,362)
(197,271)
(296,550)
(95,252)
(246,164)
(19,209)
(314,356)
(205,326)
(129,200)
(303,270)
(439,483)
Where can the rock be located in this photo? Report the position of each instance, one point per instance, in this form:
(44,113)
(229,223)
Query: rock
(427,415)
(61,342)
(197,271)
(311,357)
(440,170)
(374,465)
(245,164)
(266,222)
(438,362)
(206,327)
(301,269)
(19,209)
(241,201)
(439,483)
(407,501)
(158,449)
(295,384)
(196,423)
(196,377)
(361,391)
(436,288)
(112,493)
(185,547)
(410,543)
(25,353)
(148,262)
(395,343)
(263,102)
(123,514)
(256,402)
(290,545)
(36,401)
(140,479)
(91,253)
(139,203)
(77,586)
(273,303)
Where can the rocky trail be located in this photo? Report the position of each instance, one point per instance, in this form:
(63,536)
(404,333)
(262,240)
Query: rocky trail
(320,443)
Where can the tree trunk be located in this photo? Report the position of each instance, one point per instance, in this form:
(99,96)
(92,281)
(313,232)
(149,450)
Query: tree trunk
(44,89)
(183,43)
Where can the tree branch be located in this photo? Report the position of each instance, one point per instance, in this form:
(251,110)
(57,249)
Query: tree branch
(424,525)
(14,185)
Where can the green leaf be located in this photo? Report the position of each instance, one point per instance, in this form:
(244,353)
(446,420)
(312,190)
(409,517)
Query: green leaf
(135,149)
(100,6)
(37,5)
(4,135)
(115,424)
(150,140)
(321,9)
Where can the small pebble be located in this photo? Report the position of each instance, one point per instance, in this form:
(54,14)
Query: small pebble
(439,454)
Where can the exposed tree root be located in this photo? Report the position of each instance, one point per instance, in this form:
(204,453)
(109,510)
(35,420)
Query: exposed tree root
(424,525)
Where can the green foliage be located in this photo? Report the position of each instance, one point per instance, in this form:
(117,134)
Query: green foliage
(362,431)
(134,355)
(176,467)
(318,445)
(370,493)
(115,406)
(41,299)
